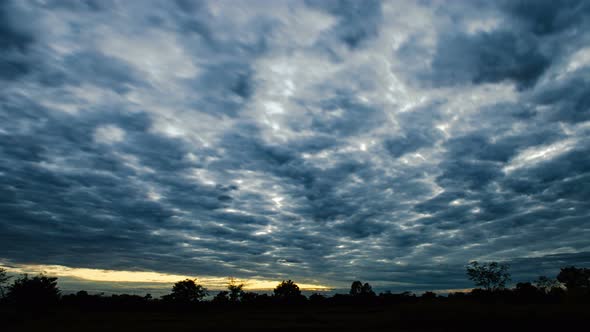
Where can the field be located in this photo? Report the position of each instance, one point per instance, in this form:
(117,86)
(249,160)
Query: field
(403,317)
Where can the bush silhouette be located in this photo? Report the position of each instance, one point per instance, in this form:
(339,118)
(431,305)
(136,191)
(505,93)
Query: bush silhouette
(359,289)
(527,292)
(287,290)
(428,296)
(235,289)
(317,298)
(41,291)
(3,281)
(491,276)
(221,298)
(187,291)
(36,292)
(251,297)
(547,285)
(576,280)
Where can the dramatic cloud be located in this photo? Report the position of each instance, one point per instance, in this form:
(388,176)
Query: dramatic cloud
(321,141)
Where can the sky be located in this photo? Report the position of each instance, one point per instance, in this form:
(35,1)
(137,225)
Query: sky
(324,141)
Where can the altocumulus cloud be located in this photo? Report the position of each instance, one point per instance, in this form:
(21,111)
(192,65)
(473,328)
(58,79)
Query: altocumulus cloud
(322,141)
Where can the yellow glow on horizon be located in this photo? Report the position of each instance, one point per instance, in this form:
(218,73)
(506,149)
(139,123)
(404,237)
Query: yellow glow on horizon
(100,275)
(453,290)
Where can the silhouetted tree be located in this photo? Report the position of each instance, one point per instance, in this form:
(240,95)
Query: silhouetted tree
(491,276)
(317,298)
(526,292)
(575,279)
(235,290)
(456,295)
(84,300)
(287,290)
(37,291)
(127,301)
(546,284)
(367,290)
(3,281)
(428,296)
(251,297)
(221,297)
(404,297)
(357,288)
(187,291)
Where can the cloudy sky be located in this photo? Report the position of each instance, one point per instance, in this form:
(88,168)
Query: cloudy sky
(322,141)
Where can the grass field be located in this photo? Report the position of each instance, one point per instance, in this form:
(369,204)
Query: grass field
(406,317)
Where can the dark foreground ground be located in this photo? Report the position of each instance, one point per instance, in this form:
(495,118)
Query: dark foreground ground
(406,317)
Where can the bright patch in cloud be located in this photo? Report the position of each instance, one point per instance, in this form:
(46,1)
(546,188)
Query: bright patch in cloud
(534,155)
(109,134)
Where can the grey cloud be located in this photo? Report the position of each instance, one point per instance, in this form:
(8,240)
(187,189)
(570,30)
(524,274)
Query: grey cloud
(468,173)
(84,5)
(357,22)
(233,85)
(101,70)
(548,17)
(417,131)
(15,40)
(488,58)
(356,118)
(409,143)
(563,176)
(574,108)
(306,201)
(520,49)
(480,147)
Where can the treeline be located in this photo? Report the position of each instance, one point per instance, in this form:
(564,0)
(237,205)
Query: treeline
(40,292)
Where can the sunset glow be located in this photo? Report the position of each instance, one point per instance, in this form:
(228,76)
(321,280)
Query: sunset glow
(150,277)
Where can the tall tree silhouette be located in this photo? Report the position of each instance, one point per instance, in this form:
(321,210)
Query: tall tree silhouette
(546,284)
(235,290)
(187,291)
(3,281)
(575,279)
(359,289)
(287,290)
(491,276)
(37,291)
(221,297)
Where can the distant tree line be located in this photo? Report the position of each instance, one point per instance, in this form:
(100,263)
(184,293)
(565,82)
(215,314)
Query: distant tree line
(38,292)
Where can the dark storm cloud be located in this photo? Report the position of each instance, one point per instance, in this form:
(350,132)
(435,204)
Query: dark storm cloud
(15,40)
(219,138)
(83,5)
(232,83)
(98,69)
(489,58)
(480,147)
(41,199)
(574,108)
(356,116)
(13,35)
(416,131)
(549,17)
(357,22)
(562,177)
(530,36)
